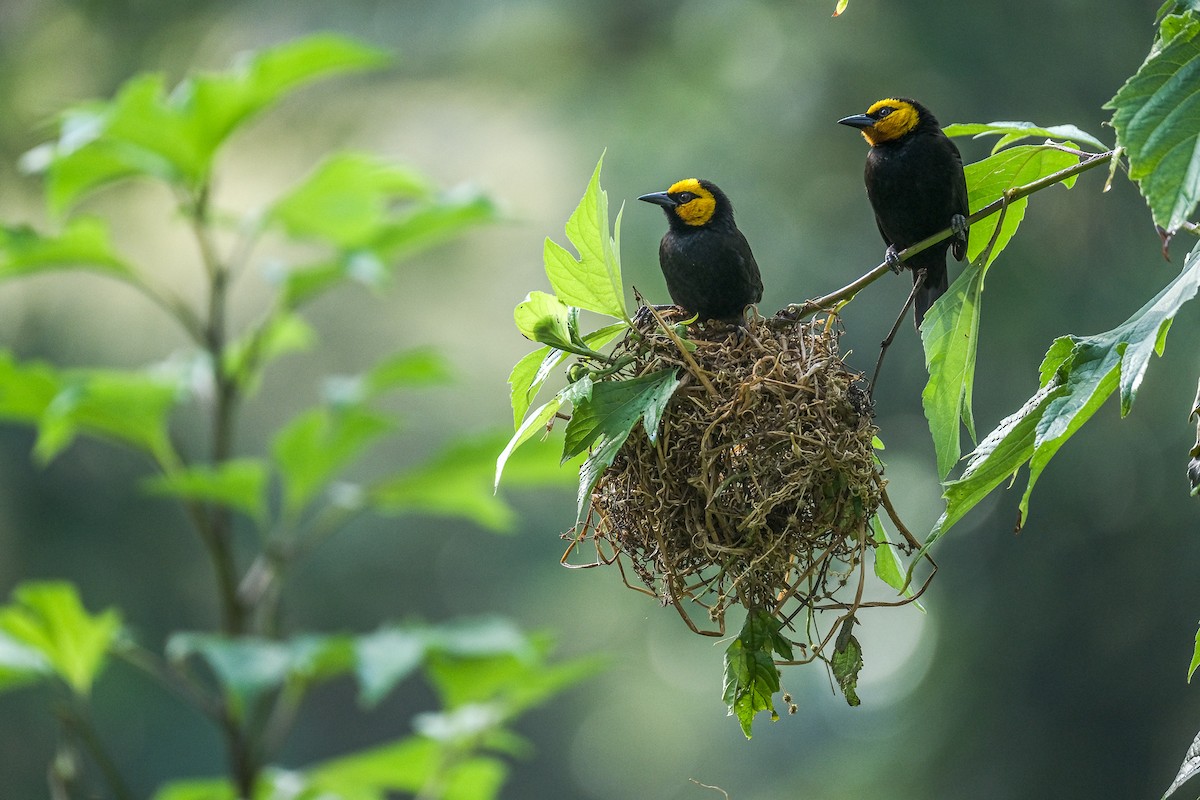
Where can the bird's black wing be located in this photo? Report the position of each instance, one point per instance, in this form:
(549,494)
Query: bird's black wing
(961,202)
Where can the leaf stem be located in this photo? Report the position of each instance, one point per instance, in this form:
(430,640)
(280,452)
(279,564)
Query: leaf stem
(810,307)
(76,720)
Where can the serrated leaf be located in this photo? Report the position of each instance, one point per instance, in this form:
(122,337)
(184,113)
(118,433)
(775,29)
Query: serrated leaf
(988,179)
(751,677)
(542,317)
(239,483)
(531,372)
(1010,132)
(533,424)
(48,618)
(317,444)
(593,281)
(615,407)
(847,662)
(1077,375)
(950,336)
(347,199)
(83,244)
(1157,118)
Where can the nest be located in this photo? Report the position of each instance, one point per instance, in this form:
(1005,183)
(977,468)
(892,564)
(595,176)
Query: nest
(761,485)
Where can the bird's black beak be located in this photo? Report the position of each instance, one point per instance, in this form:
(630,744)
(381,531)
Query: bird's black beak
(857,121)
(660,199)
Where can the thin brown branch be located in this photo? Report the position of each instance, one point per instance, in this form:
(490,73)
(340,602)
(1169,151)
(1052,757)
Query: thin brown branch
(829,301)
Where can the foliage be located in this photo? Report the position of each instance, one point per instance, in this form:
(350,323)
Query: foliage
(355,215)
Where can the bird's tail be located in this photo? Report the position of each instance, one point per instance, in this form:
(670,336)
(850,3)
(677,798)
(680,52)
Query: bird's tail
(935,285)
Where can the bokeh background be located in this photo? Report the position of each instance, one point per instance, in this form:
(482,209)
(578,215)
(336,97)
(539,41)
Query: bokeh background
(1050,663)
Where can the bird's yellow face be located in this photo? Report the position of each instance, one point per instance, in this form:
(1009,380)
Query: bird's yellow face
(696,204)
(893,119)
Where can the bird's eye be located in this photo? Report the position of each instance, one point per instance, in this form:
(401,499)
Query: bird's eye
(686,197)
(883,112)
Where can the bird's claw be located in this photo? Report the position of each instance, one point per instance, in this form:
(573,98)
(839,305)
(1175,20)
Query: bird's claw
(958,224)
(892,258)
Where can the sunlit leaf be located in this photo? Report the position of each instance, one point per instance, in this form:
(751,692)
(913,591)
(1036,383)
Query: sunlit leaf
(317,444)
(348,199)
(1010,132)
(84,244)
(593,281)
(1193,469)
(532,371)
(48,618)
(198,789)
(542,317)
(534,424)
(950,335)
(238,483)
(988,179)
(460,481)
(840,8)
(282,333)
(1157,118)
(1195,658)
(20,664)
(378,772)
(751,677)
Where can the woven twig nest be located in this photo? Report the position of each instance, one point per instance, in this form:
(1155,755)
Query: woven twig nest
(761,485)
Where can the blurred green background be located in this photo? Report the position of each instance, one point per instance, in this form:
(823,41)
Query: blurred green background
(1051,663)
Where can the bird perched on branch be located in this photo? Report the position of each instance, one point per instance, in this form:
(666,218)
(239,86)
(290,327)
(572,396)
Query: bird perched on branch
(706,260)
(916,186)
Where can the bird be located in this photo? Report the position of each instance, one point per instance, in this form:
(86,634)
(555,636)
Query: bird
(708,264)
(916,186)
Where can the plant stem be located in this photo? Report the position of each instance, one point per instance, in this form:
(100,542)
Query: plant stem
(76,720)
(810,307)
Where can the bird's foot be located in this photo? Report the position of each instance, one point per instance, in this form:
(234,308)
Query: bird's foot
(892,258)
(958,224)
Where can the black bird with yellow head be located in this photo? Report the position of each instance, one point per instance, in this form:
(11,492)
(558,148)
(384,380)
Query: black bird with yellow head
(916,186)
(706,260)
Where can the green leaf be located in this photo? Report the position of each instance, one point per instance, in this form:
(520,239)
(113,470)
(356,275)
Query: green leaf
(282,333)
(83,244)
(144,130)
(542,317)
(410,369)
(248,667)
(385,658)
(593,281)
(20,664)
(988,179)
(427,224)
(840,8)
(616,406)
(950,335)
(887,566)
(347,199)
(532,371)
(1157,118)
(198,789)
(240,484)
(533,424)
(1010,132)
(751,677)
(847,662)
(48,618)
(479,778)
(460,483)
(1195,658)
(402,766)
(317,444)
(128,407)
(1193,470)
(1077,376)
(513,681)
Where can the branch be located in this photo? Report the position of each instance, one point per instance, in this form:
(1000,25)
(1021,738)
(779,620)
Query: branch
(810,307)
